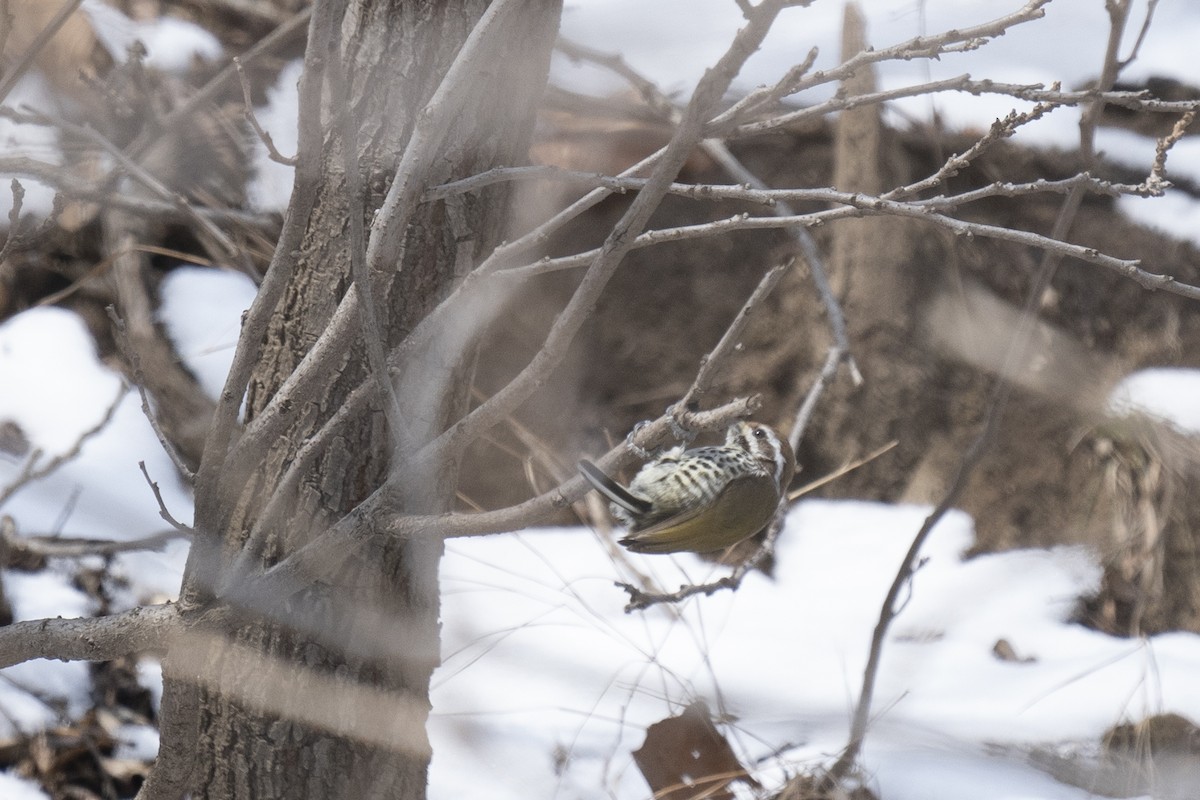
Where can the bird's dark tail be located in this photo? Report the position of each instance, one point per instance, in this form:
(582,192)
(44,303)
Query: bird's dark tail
(612,490)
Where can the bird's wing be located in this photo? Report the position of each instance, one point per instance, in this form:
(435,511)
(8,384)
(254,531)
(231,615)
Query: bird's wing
(612,490)
(740,510)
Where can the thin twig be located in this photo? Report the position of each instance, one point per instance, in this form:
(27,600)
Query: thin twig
(720,152)
(252,118)
(169,124)
(997,402)
(127,349)
(1158,179)
(972,457)
(710,362)
(78,547)
(845,469)
(1151,7)
(162,506)
(619,242)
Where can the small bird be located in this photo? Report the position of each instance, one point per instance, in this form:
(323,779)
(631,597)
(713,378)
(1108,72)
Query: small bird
(704,499)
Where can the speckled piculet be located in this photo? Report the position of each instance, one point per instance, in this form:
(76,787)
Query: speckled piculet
(703,499)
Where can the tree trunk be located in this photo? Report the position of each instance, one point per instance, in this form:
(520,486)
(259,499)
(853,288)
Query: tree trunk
(327,695)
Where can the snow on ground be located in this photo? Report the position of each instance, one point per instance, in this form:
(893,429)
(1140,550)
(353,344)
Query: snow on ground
(171,43)
(1171,395)
(270,188)
(34,596)
(64,390)
(14,788)
(541,663)
(54,387)
(202,312)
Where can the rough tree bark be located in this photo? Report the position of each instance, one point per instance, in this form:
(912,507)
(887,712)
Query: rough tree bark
(245,698)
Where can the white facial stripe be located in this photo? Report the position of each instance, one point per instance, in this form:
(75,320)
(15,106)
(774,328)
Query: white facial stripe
(780,462)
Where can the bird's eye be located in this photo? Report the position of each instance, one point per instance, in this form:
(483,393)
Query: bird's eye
(759,432)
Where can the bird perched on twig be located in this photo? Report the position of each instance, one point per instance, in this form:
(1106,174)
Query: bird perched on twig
(703,499)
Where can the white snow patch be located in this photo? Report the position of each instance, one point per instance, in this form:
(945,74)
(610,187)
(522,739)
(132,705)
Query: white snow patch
(1170,394)
(202,312)
(139,742)
(171,43)
(271,187)
(541,663)
(13,787)
(64,391)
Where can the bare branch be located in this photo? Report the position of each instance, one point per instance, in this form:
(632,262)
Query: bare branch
(867,205)
(208,93)
(79,547)
(64,180)
(614,184)
(248,113)
(162,506)
(89,638)
(705,98)
(135,362)
(1157,181)
(773,198)
(713,360)
(659,102)
(997,402)
(1000,130)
